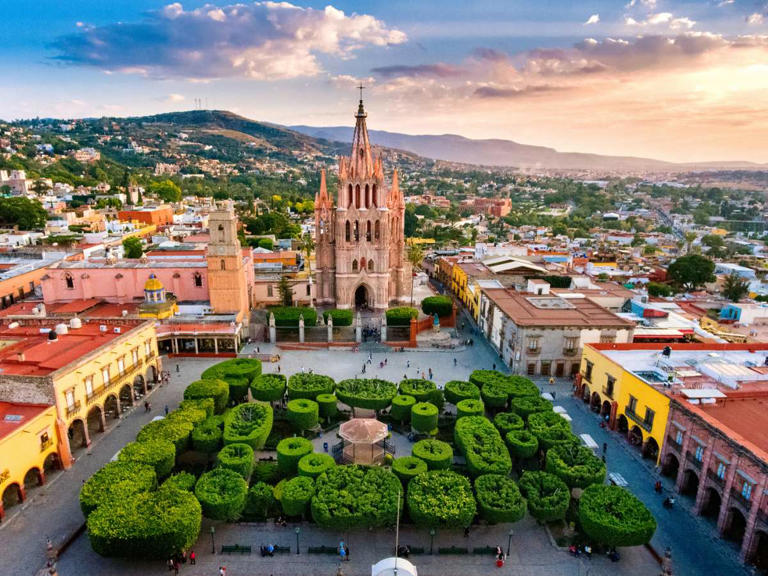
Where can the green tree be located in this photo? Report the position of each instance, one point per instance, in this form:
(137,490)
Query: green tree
(286,291)
(691,271)
(167,190)
(415,257)
(735,287)
(22,212)
(649,250)
(716,245)
(40,186)
(132,247)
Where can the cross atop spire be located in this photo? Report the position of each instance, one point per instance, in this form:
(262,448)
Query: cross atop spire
(360,110)
(361,87)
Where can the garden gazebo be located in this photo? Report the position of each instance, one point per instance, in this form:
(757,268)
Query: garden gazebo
(364,440)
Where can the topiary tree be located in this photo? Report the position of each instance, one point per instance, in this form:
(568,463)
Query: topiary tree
(214,388)
(440,305)
(248,423)
(401,407)
(159,453)
(312,465)
(206,436)
(421,389)
(550,429)
(289,452)
(470,407)
(576,465)
(437,454)
(181,481)
(303,414)
(191,413)
(458,390)
(297,492)
(522,386)
(424,417)
(175,430)
(237,457)
(368,393)
(206,405)
(259,502)
(441,499)
(527,405)
(268,387)
(408,467)
(614,517)
(328,406)
(548,497)
(303,385)
(237,373)
(495,394)
(116,482)
(499,499)
(508,421)
(480,443)
(522,444)
(401,316)
(482,377)
(221,493)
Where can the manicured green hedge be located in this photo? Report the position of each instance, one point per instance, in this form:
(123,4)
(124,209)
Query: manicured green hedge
(495,394)
(289,315)
(527,405)
(237,372)
(470,407)
(440,305)
(268,387)
(248,423)
(481,444)
(340,317)
(522,444)
(304,385)
(160,454)
(613,516)
(401,316)
(424,417)
(175,430)
(421,389)
(207,405)
(150,525)
(482,377)
(550,429)
(408,467)
(355,496)
(522,386)
(441,499)
(401,407)
(237,457)
(458,390)
(116,482)
(192,413)
(221,493)
(499,499)
(328,405)
(368,393)
(437,454)
(575,465)
(289,452)
(266,472)
(508,421)
(297,493)
(312,465)
(259,502)
(181,481)
(213,388)
(303,414)
(548,497)
(206,437)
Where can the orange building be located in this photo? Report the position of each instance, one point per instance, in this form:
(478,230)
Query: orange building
(158,215)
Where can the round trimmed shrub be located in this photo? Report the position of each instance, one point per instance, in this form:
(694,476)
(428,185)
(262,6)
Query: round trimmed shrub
(160,454)
(206,436)
(340,317)
(248,423)
(221,493)
(437,454)
(421,389)
(495,394)
(151,525)
(470,407)
(550,429)
(548,497)
(175,430)
(522,386)
(297,492)
(408,467)
(499,499)
(508,421)
(116,482)
(614,517)
(259,502)
(237,373)
(328,405)
(181,481)
(214,388)
(482,377)
(303,414)
(424,417)
(401,407)
(458,390)
(207,405)
(238,458)
(480,443)
(192,414)
(312,465)
(527,405)
(368,393)
(440,305)
(303,385)
(268,387)
(522,444)
(401,316)
(289,452)
(575,465)
(441,499)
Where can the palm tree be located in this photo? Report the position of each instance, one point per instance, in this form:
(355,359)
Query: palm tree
(689,238)
(308,245)
(415,257)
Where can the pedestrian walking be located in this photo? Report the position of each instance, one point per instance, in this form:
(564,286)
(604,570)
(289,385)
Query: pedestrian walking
(342,551)
(177,368)
(430,373)
(257,350)
(170,564)
(605,447)
(346,552)
(363,368)
(176,567)
(551,381)
(554,394)
(166,410)
(494,365)
(407,363)
(423,376)
(192,557)
(455,361)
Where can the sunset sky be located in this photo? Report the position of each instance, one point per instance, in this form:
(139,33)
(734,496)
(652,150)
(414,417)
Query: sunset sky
(683,81)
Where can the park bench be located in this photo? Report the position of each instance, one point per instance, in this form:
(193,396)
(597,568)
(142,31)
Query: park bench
(490,550)
(236,549)
(417,550)
(282,549)
(453,550)
(323,550)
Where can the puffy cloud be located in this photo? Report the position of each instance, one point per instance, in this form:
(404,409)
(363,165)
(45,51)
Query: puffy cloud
(661,20)
(594,19)
(651,4)
(262,40)
(755,18)
(440,70)
(175,98)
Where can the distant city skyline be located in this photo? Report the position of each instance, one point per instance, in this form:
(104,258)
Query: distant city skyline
(673,80)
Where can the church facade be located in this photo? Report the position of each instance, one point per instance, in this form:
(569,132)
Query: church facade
(359,237)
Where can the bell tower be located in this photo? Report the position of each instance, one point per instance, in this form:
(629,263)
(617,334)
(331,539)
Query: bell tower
(227,289)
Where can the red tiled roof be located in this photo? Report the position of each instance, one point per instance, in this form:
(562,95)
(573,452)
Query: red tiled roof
(26,411)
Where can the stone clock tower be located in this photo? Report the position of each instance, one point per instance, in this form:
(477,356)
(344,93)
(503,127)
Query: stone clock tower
(227,288)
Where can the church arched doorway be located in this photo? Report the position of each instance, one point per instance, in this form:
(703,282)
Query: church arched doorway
(362,298)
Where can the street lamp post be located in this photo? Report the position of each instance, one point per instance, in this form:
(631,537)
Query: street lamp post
(509,542)
(213,540)
(431,540)
(298,531)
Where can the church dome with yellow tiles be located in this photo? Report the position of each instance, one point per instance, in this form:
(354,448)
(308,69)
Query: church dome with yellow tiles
(153,284)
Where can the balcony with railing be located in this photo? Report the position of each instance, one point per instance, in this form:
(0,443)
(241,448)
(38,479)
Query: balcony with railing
(570,351)
(691,457)
(533,351)
(637,419)
(738,498)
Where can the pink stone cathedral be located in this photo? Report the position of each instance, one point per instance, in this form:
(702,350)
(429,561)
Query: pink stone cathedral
(360,241)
